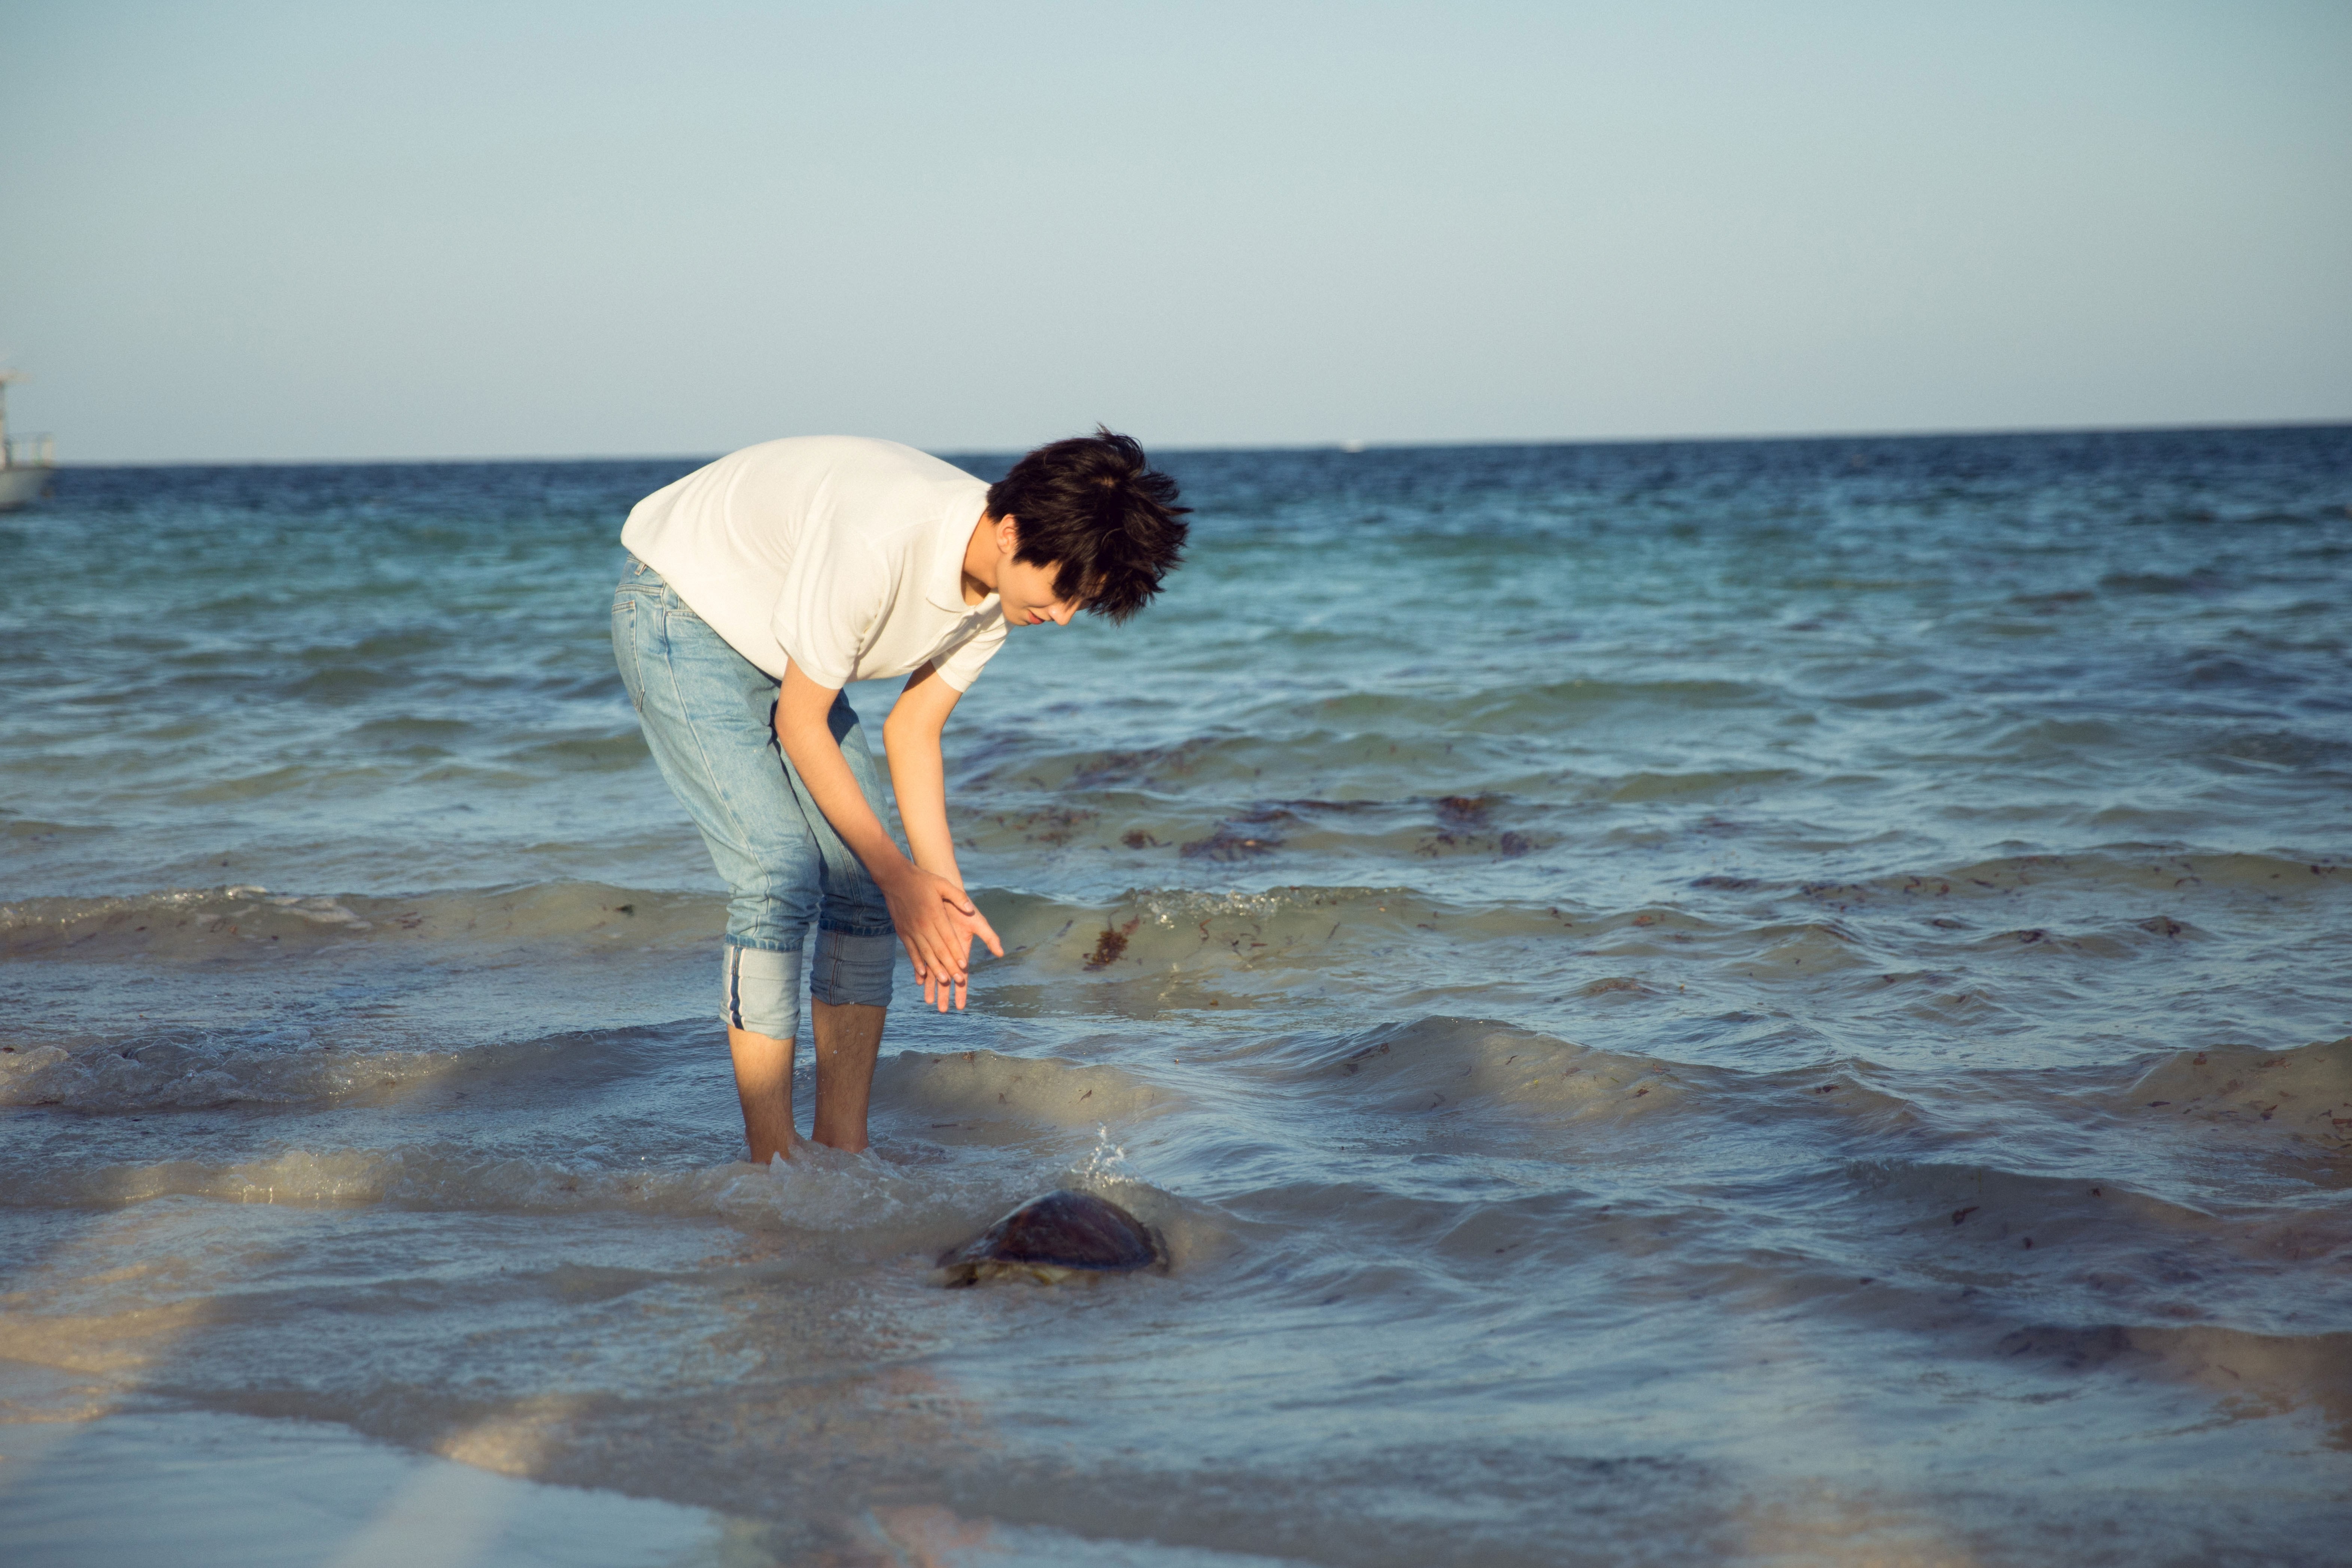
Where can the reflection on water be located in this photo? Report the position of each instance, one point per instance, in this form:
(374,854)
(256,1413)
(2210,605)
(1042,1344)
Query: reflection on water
(1773,1002)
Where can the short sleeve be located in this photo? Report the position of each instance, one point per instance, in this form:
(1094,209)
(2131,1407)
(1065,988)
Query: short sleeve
(834,592)
(962,666)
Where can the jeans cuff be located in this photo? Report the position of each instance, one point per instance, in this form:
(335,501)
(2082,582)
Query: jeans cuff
(856,970)
(762,943)
(762,990)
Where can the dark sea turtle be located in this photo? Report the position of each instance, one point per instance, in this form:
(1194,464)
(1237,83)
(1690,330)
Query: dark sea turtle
(1051,1238)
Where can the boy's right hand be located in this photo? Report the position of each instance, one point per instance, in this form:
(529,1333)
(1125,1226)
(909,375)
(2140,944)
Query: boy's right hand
(936,922)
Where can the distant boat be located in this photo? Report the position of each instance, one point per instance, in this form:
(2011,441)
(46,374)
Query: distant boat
(26,465)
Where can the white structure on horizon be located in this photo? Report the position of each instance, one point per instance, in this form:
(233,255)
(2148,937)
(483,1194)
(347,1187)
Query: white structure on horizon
(28,465)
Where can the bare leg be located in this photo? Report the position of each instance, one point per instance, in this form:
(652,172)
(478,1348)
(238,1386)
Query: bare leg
(764,1082)
(848,1034)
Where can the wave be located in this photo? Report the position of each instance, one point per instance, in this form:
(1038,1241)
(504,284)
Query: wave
(2137,868)
(210,923)
(2256,1373)
(1453,1144)
(197,1071)
(35,829)
(2146,890)
(1936,1160)
(1805,928)
(903,1206)
(908,1198)
(1207,802)
(2296,1098)
(1181,947)
(1450,1066)
(977,1090)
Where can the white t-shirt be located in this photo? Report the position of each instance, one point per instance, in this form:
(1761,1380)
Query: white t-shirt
(842,554)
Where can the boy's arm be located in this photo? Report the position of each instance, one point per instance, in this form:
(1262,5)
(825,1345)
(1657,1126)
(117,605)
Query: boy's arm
(917,775)
(934,920)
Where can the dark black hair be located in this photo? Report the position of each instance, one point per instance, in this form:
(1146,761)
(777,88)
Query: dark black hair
(1095,505)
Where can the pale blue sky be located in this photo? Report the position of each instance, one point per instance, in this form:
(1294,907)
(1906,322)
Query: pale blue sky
(278,231)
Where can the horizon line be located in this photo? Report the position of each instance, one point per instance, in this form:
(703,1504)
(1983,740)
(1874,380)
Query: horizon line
(1350,447)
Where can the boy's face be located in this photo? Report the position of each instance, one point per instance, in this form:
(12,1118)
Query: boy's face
(1027,596)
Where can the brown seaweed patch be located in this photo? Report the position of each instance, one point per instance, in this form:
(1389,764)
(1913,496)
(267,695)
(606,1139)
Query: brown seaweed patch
(1053,825)
(1111,944)
(1614,983)
(1140,767)
(1438,843)
(1229,841)
(1470,811)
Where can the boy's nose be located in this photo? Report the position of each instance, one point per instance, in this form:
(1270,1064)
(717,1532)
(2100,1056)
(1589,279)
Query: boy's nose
(1062,614)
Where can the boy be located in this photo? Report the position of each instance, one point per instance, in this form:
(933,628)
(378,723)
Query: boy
(761,585)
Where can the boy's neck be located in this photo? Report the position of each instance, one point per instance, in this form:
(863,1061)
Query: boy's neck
(982,559)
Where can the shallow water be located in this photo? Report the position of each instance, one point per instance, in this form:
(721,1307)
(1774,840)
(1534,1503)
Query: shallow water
(1775,1002)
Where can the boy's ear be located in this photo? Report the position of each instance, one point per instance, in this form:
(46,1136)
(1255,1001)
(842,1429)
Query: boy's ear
(1008,533)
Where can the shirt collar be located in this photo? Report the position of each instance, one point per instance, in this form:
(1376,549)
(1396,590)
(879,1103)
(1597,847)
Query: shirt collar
(946,591)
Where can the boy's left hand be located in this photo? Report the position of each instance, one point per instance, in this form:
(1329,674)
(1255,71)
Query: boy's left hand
(964,915)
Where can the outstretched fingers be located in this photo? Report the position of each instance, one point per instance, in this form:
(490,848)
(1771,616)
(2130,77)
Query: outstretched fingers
(938,940)
(936,966)
(986,932)
(968,923)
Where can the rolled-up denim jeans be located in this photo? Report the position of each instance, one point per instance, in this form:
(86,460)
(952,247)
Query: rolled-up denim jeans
(709,715)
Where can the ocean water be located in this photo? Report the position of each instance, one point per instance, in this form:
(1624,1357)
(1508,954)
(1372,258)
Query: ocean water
(1775,1003)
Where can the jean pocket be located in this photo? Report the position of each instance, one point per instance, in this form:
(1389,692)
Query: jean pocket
(625,645)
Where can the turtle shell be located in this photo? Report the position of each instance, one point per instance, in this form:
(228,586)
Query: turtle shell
(1062,1233)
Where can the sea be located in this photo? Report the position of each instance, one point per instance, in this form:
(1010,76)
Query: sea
(1746,1002)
